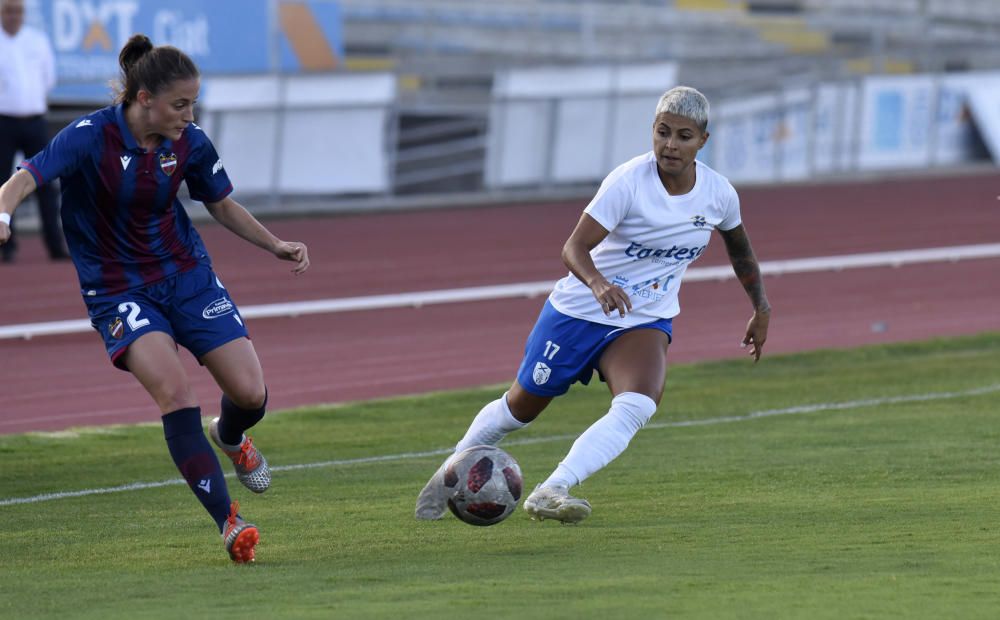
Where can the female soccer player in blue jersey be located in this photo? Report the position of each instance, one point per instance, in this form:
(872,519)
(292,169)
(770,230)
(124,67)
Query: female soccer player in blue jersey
(650,219)
(145,275)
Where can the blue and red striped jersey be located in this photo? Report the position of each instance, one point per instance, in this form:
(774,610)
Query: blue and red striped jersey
(124,225)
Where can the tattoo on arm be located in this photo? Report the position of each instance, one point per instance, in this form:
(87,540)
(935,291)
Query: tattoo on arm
(745,266)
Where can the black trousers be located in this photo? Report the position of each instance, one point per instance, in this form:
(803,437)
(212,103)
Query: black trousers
(30,135)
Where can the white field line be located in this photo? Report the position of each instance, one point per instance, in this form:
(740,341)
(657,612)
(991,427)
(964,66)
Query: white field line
(533,289)
(767,413)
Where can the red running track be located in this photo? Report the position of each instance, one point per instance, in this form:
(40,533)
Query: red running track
(57,382)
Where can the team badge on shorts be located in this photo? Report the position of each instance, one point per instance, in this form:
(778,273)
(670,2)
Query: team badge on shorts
(541,373)
(168,163)
(117,328)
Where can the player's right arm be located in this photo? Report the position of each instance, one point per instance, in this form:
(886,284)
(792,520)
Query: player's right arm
(604,213)
(12,194)
(576,256)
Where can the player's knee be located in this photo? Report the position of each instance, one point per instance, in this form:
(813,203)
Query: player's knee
(524,405)
(635,407)
(173,397)
(250,396)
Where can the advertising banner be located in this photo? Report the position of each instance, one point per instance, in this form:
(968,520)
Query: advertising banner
(571,124)
(221,36)
(897,121)
(834,127)
(745,147)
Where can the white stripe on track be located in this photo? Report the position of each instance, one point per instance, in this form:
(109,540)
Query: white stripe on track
(533,289)
(816,408)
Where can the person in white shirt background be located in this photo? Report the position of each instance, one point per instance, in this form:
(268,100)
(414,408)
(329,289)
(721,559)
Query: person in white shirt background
(27,74)
(650,219)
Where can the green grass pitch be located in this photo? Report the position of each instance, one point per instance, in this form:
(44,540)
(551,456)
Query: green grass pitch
(832,484)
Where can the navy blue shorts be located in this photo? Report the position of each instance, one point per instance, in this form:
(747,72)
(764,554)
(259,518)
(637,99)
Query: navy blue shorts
(562,350)
(192,307)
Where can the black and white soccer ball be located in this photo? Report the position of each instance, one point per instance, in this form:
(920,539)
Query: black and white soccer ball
(485,484)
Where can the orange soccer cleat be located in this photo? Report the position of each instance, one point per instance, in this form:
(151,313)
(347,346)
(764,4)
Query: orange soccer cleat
(251,466)
(240,537)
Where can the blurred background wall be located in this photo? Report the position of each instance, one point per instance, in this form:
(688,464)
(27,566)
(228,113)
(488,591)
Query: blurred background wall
(378,104)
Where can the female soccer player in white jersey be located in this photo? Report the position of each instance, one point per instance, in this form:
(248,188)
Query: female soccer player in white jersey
(651,218)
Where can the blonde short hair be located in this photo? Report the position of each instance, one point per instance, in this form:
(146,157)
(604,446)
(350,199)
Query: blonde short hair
(687,102)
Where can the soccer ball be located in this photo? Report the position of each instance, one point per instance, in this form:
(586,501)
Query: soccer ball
(485,484)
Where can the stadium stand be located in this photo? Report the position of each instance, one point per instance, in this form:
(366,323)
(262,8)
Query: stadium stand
(445,56)
(448,52)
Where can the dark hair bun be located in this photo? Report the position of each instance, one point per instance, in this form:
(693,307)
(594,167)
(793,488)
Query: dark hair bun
(151,68)
(137,46)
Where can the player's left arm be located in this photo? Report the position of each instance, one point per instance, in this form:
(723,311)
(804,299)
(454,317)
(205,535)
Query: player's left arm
(236,218)
(748,273)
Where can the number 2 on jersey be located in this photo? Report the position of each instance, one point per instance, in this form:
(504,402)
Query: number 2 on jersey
(134,322)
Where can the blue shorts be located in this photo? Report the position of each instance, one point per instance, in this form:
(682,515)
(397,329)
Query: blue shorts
(562,350)
(191,306)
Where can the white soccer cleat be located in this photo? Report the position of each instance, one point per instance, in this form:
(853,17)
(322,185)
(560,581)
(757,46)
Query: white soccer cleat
(556,503)
(432,503)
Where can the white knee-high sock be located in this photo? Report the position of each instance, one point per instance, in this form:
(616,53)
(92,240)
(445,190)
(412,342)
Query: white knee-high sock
(604,440)
(492,424)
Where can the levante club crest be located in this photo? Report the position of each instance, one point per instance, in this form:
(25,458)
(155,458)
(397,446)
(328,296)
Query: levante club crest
(168,163)
(117,328)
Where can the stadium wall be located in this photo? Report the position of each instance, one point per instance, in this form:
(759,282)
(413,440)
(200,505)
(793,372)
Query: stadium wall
(551,126)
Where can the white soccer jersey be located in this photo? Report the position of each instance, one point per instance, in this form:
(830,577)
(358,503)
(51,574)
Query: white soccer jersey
(653,238)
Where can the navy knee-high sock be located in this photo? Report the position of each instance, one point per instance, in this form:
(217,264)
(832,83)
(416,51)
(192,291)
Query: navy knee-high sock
(234,421)
(196,461)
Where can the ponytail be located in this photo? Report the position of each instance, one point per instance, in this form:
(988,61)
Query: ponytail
(145,66)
